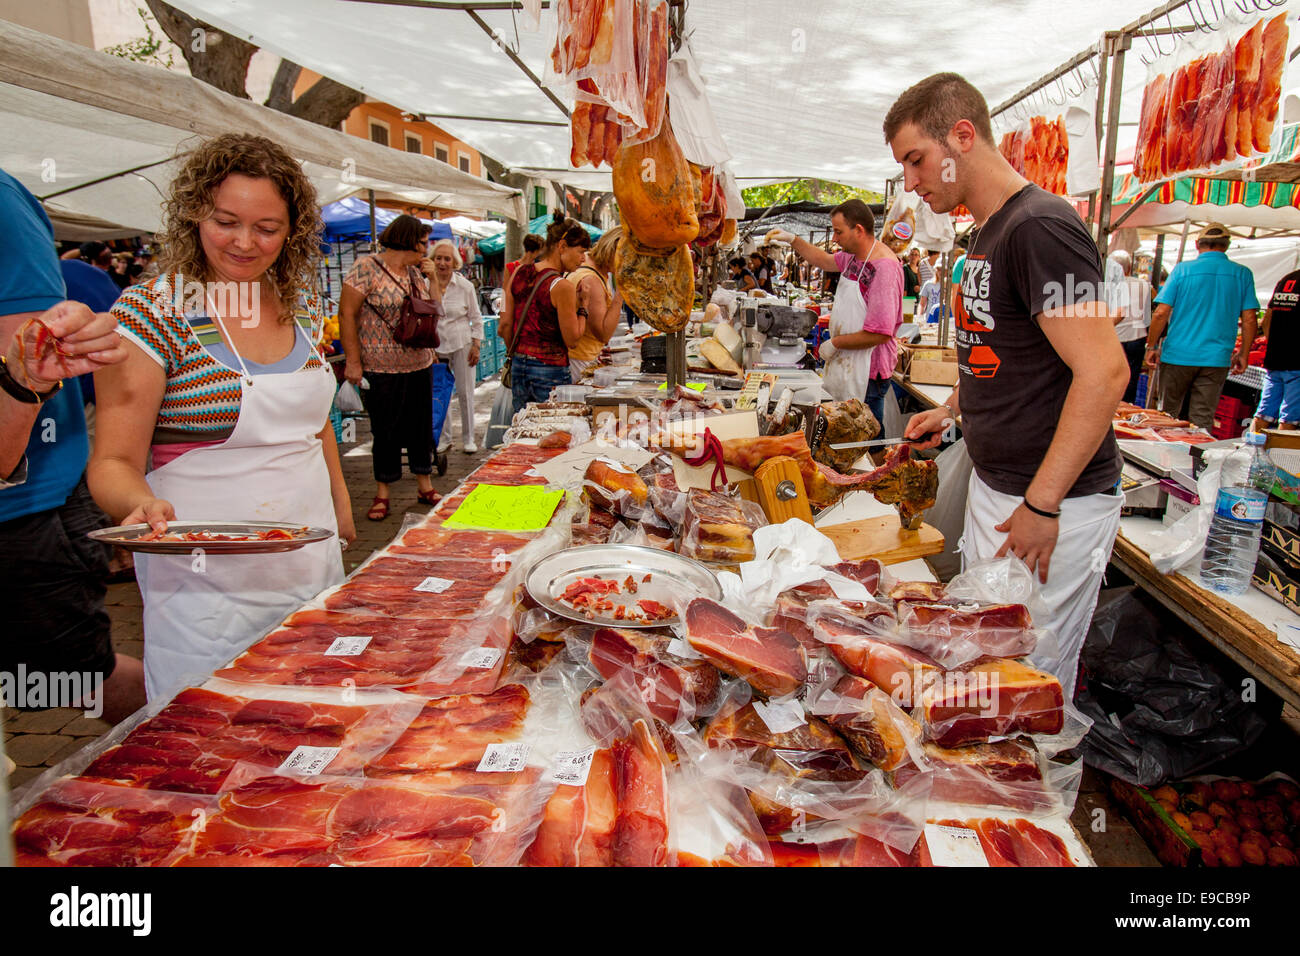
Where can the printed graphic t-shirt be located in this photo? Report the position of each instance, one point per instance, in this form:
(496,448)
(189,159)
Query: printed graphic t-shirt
(1283,354)
(1033,254)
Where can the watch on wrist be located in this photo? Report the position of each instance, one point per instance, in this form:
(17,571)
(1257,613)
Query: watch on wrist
(20,392)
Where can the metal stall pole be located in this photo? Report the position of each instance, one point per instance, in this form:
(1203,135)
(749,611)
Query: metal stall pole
(1115,45)
(374,237)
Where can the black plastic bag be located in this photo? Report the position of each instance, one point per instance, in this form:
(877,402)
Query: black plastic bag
(1160,710)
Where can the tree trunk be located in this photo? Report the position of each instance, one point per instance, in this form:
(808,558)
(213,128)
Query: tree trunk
(514,230)
(281,96)
(326,102)
(214,57)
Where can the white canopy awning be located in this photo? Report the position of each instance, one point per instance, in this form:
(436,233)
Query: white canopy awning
(799,89)
(94,136)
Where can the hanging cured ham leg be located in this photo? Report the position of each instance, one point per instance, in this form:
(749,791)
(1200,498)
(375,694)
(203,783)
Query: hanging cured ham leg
(909,482)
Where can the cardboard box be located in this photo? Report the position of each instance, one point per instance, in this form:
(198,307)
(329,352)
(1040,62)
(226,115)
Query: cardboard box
(1286,483)
(1285,544)
(1276,578)
(932,366)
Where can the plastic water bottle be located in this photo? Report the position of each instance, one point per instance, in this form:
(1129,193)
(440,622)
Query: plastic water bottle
(1233,542)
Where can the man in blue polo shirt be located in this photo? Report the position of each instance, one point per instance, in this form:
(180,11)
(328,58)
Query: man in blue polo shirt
(1202,303)
(52,589)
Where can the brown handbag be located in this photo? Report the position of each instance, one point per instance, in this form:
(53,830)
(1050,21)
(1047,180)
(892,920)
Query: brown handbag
(417,322)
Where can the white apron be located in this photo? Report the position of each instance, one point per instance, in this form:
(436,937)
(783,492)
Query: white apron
(848,372)
(200,611)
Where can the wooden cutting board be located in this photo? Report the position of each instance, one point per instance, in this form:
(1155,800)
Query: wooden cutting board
(884,539)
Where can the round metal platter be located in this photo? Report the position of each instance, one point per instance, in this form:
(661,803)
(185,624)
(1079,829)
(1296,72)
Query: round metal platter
(671,575)
(246,542)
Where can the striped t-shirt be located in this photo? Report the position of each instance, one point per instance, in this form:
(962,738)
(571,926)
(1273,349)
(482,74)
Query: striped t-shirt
(201,400)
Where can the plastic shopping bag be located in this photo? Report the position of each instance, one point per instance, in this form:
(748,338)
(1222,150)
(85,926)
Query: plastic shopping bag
(348,399)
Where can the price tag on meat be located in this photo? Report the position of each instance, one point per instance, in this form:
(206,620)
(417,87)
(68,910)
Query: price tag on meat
(781,718)
(504,758)
(480,659)
(349,646)
(572,766)
(434,585)
(954,846)
(308,761)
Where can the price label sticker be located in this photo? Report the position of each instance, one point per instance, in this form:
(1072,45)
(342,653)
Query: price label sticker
(308,761)
(434,585)
(504,758)
(781,718)
(572,766)
(350,645)
(954,846)
(480,659)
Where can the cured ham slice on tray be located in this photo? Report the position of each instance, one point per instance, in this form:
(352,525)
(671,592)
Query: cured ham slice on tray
(769,660)
(84,823)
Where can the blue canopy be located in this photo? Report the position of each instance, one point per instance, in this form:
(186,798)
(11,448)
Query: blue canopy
(495,244)
(350,219)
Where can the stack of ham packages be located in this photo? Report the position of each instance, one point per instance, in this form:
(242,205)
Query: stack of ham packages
(371,727)
(620,505)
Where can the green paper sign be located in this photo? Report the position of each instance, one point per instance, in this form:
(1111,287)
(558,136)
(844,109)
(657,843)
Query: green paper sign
(506,508)
(697,386)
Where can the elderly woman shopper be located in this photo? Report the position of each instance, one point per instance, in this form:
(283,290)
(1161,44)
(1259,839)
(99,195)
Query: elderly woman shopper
(596,306)
(460,332)
(224,391)
(539,317)
(400,397)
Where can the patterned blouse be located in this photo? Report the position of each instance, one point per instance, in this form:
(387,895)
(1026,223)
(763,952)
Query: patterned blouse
(539,336)
(201,398)
(379,314)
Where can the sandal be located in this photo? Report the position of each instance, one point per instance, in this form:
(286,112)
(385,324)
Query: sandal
(429,497)
(378,509)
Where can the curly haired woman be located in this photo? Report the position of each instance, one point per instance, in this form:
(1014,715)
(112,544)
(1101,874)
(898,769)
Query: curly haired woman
(225,393)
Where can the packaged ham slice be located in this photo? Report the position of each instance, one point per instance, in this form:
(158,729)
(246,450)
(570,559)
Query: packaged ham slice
(769,659)
(718,527)
(1014,842)
(997,698)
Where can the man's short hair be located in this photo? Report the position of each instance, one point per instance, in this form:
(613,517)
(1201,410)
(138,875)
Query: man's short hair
(936,104)
(857,213)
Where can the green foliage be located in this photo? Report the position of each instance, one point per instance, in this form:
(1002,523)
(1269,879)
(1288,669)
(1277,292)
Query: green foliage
(815,190)
(149,48)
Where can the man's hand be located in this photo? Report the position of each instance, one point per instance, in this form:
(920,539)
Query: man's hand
(1031,538)
(66,341)
(779,235)
(1239,363)
(1152,358)
(931,423)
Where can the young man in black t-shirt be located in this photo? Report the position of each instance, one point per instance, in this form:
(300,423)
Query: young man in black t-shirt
(1041,370)
(1279,405)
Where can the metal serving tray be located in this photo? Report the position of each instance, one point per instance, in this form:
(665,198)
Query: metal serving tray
(128,537)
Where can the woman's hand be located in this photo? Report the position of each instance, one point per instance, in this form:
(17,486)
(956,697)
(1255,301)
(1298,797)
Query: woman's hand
(347,527)
(474,351)
(353,371)
(155,512)
(428,268)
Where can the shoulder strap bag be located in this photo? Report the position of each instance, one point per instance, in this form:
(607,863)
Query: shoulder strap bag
(417,322)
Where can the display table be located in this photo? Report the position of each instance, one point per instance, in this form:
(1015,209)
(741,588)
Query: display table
(1243,627)
(931,396)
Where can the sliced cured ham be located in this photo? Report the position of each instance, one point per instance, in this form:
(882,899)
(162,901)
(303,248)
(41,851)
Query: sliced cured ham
(872,723)
(811,752)
(1008,843)
(718,528)
(1002,774)
(641,822)
(454,731)
(769,660)
(901,672)
(959,634)
(991,699)
(578,825)
(1268,94)
(1249,55)
(672,687)
(859,850)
